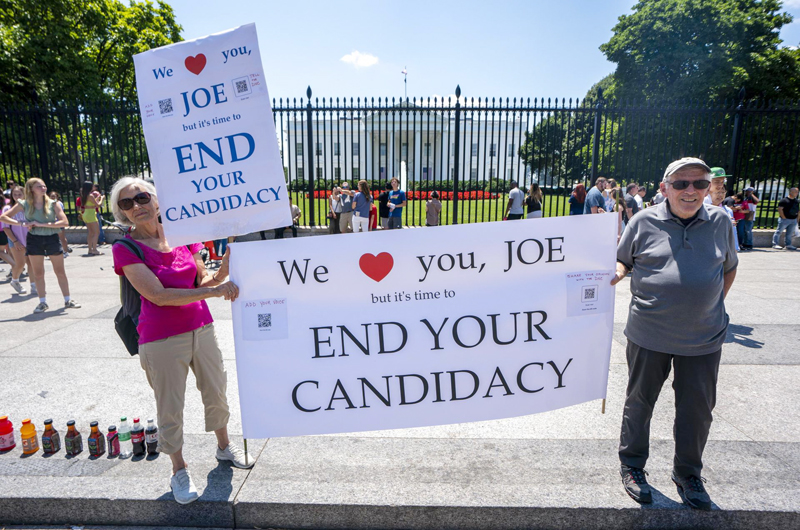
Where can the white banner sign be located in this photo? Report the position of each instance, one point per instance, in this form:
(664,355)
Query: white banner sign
(426,326)
(211,137)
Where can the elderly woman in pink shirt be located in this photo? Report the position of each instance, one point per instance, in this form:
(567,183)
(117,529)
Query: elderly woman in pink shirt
(176,331)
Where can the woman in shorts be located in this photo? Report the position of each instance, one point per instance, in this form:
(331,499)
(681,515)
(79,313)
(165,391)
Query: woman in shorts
(17,240)
(44,218)
(90,202)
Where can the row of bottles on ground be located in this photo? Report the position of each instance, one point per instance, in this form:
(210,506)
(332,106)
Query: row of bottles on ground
(123,442)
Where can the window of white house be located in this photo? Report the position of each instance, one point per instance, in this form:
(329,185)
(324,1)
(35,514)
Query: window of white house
(336,149)
(491,173)
(475,149)
(427,149)
(299,149)
(319,172)
(319,148)
(404,151)
(510,174)
(382,150)
(356,149)
(356,173)
(473,174)
(493,150)
(337,172)
(511,150)
(299,172)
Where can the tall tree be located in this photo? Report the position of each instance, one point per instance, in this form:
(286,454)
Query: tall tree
(67,51)
(705,49)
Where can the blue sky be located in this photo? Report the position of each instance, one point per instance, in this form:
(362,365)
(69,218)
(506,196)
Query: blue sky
(530,48)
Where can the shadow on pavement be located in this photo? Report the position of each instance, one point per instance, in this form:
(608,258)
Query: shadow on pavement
(739,334)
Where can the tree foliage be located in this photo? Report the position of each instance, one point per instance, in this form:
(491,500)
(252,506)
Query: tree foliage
(66,51)
(705,49)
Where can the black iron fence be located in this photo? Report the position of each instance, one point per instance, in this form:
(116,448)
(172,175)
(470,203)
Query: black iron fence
(467,149)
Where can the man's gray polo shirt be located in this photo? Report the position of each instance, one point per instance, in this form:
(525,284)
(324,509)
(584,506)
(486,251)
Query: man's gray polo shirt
(677,279)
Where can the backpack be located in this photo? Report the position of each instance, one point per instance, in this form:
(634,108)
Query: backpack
(128,315)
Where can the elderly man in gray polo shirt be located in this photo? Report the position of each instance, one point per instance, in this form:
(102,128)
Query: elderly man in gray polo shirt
(682,256)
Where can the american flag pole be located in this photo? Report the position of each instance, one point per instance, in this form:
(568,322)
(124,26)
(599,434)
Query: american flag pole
(405,82)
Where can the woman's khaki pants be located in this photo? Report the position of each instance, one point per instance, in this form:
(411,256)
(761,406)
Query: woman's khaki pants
(166,363)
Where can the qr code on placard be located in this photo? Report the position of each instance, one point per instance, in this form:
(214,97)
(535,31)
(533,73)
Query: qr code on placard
(265,320)
(589,293)
(165,106)
(242,86)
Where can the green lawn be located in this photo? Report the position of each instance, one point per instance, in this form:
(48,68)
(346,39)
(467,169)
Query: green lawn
(469,211)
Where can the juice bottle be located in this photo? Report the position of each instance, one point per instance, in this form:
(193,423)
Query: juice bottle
(96,441)
(30,440)
(73,442)
(113,441)
(7,442)
(125,449)
(151,437)
(137,438)
(51,440)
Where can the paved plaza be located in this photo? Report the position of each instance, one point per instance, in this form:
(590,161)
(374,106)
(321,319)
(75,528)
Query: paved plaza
(552,470)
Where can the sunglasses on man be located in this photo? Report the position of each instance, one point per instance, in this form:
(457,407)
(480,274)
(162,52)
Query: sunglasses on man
(683,184)
(139,198)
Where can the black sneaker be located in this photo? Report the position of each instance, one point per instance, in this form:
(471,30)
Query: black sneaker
(633,478)
(692,491)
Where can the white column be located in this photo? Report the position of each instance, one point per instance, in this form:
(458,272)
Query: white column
(418,153)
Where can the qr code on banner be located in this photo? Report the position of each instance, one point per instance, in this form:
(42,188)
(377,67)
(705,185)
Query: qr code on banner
(165,106)
(589,293)
(265,320)
(241,86)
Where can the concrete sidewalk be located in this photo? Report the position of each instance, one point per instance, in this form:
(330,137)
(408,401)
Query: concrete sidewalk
(552,470)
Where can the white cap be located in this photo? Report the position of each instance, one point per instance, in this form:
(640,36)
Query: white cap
(685,162)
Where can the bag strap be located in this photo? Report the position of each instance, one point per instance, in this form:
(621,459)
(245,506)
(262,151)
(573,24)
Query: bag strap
(133,247)
(124,284)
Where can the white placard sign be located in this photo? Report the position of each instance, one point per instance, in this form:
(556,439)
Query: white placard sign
(428,326)
(211,137)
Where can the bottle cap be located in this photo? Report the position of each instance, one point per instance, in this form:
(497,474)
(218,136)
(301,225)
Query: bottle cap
(3,418)
(93,424)
(112,428)
(70,423)
(124,418)
(135,420)
(25,422)
(48,422)
(150,420)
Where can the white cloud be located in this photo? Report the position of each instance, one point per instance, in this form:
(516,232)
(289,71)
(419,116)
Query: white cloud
(360,60)
(791,3)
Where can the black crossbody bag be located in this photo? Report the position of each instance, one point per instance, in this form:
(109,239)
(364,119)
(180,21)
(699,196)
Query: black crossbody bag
(128,315)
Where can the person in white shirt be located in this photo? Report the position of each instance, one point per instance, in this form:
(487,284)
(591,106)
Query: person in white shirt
(516,197)
(639,197)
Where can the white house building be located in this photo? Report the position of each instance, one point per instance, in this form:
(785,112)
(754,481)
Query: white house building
(412,145)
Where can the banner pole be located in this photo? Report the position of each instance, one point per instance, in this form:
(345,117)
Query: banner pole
(602,410)
(245,452)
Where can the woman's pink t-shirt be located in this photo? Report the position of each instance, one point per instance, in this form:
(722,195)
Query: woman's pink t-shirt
(175,270)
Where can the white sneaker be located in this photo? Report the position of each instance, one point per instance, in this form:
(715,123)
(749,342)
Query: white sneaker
(183,488)
(777,247)
(235,456)
(41,308)
(17,287)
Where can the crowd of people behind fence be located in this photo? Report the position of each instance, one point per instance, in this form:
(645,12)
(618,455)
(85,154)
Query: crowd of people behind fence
(30,211)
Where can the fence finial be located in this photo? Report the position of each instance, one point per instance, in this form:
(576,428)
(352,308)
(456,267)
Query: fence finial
(458,91)
(308,92)
(741,93)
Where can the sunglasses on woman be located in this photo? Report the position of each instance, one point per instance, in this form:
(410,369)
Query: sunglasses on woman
(140,198)
(683,184)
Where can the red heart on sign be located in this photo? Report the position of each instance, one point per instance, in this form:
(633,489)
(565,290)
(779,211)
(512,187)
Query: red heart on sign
(195,64)
(376,267)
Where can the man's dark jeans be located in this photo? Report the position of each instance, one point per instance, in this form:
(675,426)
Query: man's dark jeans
(695,386)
